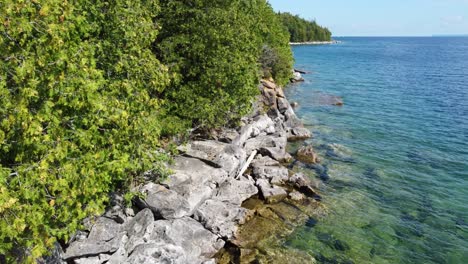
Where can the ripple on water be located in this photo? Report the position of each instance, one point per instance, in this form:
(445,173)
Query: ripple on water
(395,156)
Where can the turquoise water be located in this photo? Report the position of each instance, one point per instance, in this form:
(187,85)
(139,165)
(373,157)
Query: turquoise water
(395,156)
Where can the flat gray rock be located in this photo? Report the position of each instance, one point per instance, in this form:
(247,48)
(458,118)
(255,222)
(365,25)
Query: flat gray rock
(87,248)
(165,203)
(274,174)
(157,253)
(276,153)
(104,229)
(236,191)
(221,218)
(271,193)
(198,243)
(218,154)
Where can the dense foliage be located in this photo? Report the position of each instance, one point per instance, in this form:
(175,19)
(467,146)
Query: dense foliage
(89,87)
(79,107)
(302,30)
(214,48)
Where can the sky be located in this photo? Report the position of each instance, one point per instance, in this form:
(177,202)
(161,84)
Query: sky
(382,17)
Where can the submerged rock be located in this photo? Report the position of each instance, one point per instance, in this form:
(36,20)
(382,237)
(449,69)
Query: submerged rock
(307,154)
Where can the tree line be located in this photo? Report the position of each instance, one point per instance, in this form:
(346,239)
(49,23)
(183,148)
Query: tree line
(92,91)
(302,30)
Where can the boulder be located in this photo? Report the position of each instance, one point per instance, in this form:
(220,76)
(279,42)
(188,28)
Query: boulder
(264,142)
(303,184)
(280,92)
(271,193)
(104,229)
(89,248)
(274,174)
(296,196)
(306,154)
(297,77)
(283,104)
(294,105)
(102,258)
(269,98)
(164,203)
(269,84)
(218,154)
(264,161)
(228,135)
(197,243)
(276,153)
(193,171)
(221,218)
(236,191)
(244,134)
(155,253)
(137,228)
(298,133)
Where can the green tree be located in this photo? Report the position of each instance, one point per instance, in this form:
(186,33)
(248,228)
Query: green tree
(79,111)
(302,30)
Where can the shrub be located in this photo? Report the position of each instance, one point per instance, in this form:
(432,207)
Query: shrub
(79,112)
(212,52)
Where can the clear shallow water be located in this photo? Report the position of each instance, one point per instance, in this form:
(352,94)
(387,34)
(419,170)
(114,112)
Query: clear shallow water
(398,190)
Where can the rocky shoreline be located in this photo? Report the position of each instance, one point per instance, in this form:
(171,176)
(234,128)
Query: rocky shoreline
(209,209)
(315,43)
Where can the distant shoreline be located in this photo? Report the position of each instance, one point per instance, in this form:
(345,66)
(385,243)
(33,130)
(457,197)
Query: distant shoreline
(315,43)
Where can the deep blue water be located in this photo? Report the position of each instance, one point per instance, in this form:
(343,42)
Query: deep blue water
(396,152)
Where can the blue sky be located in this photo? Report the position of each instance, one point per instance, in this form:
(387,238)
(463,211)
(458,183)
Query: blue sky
(382,17)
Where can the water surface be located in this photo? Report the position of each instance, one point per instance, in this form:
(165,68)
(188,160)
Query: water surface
(396,153)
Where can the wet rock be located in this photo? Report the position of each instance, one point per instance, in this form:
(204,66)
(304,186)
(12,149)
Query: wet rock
(297,77)
(311,222)
(340,245)
(291,120)
(296,196)
(298,133)
(307,154)
(321,98)
(220,217)
(321,170)
(294,105)
(338,152)
(164,203)
(271,193)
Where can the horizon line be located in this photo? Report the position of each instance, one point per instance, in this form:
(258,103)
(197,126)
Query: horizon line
(401,36)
